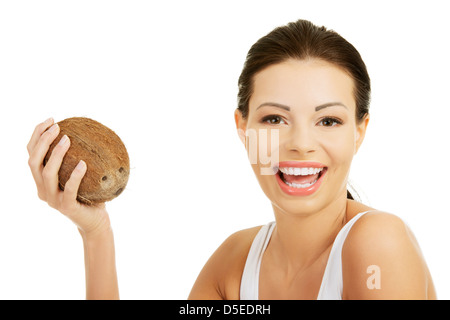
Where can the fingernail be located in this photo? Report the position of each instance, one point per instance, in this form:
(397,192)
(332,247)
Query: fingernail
(49,120)
(81,165)
(63,140)
(53,127)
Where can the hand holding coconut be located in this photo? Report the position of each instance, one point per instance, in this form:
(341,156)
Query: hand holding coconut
(89,219)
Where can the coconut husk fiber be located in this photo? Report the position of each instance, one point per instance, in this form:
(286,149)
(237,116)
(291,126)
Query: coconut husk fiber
(108,164)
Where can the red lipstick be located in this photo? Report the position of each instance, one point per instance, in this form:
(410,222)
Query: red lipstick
(300,178)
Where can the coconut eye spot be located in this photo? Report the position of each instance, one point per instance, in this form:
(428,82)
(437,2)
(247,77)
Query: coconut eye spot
(105,178)
(121,169)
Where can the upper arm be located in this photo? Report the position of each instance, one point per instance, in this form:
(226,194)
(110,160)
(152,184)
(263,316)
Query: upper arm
(220,277)
(382,260)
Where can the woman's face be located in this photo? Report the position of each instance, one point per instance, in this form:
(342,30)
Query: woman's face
(301,133)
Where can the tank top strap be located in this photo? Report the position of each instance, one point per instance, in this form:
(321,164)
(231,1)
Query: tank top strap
(332,282)
(250,277)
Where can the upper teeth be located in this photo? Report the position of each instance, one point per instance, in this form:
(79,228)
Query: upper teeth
(300,171)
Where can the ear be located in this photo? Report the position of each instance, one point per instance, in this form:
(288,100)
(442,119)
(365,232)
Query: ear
(241,125)
(361,132)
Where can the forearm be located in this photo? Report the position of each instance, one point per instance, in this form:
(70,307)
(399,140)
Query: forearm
(99,257)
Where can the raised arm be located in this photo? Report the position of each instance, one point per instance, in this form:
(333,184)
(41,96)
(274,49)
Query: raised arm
(92,221)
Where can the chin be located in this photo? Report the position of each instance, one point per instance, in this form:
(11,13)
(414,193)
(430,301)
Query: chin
(299,207)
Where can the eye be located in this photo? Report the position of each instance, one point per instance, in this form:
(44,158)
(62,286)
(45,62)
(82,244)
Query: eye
(329,122)
(273,119)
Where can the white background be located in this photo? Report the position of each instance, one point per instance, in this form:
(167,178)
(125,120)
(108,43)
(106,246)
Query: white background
(163,75)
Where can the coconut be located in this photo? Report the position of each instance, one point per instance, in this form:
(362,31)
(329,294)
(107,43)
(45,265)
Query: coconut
(108,164)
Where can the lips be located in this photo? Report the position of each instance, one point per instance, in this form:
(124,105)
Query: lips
(299,178)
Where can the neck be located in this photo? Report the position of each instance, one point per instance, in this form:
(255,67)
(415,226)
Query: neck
(300,240)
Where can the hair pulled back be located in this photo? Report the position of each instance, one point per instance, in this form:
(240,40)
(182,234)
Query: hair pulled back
(303,40)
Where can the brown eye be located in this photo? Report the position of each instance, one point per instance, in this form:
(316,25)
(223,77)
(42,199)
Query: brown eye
(272,119)
(329,122)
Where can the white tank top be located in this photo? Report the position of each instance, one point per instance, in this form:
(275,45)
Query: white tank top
(331,286)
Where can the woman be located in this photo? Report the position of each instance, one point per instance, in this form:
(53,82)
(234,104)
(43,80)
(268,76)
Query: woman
(307,89)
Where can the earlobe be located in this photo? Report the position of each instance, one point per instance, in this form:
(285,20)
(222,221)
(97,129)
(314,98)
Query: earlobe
(241,125)
(361,132)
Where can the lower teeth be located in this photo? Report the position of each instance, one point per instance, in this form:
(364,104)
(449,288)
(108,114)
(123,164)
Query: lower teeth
(300,185)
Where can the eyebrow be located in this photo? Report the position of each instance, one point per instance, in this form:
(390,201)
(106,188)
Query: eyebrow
(274,104)
(330,104)
(318,108)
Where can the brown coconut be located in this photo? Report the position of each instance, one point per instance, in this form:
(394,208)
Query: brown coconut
(108,164)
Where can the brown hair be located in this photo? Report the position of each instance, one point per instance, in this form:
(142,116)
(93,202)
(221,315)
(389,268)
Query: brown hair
(303,40)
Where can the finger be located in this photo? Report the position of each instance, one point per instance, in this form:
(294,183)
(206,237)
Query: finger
(51,169)
(41,148)
(38,130)
(73,184)
(36,159)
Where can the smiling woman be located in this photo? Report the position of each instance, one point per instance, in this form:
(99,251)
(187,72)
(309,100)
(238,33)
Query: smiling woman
(309,87)
(303,98)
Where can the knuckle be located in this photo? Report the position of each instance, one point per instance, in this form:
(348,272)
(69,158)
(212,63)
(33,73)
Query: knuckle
(46,174)
(53,205)
(31,162)
(41,196)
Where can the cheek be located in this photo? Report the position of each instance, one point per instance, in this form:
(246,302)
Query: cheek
(262,146)
(340,148)
(263,149)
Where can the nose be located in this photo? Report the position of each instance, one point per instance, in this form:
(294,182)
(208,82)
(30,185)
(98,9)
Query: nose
(300,140)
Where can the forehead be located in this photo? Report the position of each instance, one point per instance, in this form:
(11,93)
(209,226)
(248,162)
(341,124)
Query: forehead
(306,83)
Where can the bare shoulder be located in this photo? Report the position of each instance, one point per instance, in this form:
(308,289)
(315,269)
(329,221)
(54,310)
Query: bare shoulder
(241,240)
(381,259)
(377,224)
(220,277)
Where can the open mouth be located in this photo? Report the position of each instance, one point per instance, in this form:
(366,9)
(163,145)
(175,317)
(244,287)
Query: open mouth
(300,177)
(297,178)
